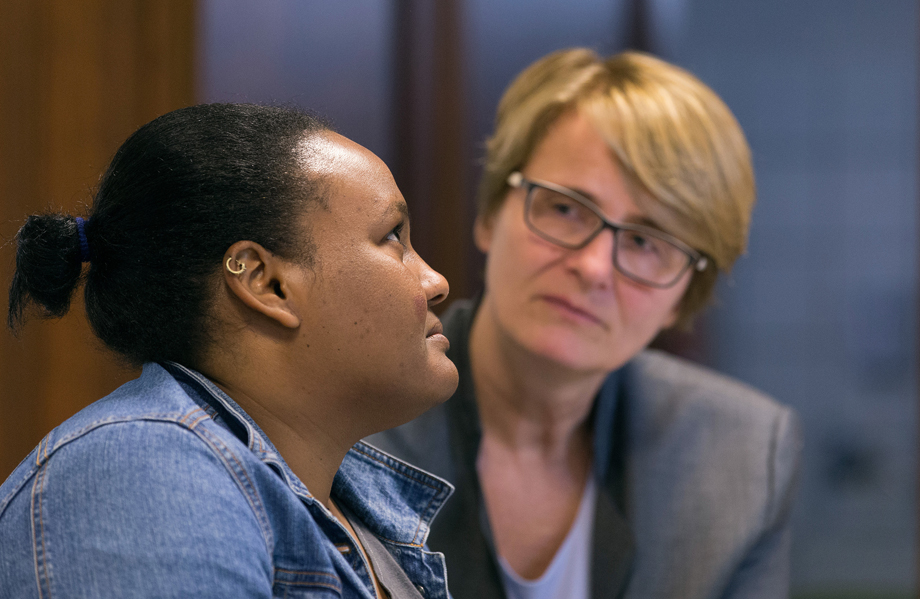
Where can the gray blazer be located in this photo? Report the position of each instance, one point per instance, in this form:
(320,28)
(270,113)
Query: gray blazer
(696,473)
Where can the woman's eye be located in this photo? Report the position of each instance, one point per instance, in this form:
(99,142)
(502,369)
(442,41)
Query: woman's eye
(396,234)
(563,209)
(638,242)
(571,212)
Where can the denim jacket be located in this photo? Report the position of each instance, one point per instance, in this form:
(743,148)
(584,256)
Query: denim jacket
(167,488)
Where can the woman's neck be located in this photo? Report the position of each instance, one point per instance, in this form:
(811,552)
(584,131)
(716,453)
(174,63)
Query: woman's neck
(526,400)
(311,444)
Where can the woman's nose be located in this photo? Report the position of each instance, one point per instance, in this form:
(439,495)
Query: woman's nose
(594,262)
(435,285)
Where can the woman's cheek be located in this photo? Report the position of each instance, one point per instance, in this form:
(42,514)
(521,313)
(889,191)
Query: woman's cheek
(421,306)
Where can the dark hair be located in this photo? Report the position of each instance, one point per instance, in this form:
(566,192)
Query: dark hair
(180,191)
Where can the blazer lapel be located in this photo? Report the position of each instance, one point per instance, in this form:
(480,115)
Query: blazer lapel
(613,546)
(613,549)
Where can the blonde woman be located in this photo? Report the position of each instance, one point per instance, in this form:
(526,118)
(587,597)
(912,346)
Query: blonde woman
(615,190)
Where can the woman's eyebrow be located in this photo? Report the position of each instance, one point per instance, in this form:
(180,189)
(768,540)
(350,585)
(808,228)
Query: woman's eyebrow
(583,194)
(643,221)
(399,207)
(639,219)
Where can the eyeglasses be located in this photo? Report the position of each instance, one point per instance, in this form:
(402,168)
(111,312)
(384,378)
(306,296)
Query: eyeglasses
(568,219)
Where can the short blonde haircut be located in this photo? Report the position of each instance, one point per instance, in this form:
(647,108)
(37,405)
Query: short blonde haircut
(679,146)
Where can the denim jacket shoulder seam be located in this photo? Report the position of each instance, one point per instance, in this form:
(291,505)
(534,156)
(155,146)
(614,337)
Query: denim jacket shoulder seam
(46,448)
(167,417)
(187,421)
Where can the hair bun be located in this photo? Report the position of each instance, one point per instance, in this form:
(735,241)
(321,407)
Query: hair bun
(48,266)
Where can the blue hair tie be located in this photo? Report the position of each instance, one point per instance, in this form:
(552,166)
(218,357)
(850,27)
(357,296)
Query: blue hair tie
(84,245)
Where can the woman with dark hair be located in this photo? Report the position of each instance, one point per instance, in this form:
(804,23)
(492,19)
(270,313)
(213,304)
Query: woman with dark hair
(615,190)
(258,266)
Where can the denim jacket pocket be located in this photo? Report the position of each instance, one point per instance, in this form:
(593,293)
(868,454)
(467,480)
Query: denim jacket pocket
(293,584)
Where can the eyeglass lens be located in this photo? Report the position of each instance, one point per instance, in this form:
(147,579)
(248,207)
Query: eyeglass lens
(570,223)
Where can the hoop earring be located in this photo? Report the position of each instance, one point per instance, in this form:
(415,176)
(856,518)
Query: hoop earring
(242,267)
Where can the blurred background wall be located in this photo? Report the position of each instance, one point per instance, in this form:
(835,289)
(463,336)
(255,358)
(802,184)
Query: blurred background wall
(76,78)
(822,313)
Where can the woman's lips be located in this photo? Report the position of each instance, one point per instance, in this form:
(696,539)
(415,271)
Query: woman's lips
(436,335)
(436,328)
(571,310)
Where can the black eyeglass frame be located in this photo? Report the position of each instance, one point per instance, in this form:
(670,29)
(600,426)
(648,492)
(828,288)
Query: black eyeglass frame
(695,259)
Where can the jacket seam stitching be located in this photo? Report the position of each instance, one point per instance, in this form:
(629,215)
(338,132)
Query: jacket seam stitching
(43,451)
(311,572)
(188,416)
(317,583)
(169,417)
(202,434)
(39,550)
(247,489)
(336,583)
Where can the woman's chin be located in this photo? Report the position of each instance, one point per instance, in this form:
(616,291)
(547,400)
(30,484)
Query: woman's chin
(430,390)
(445,380)
(573,354)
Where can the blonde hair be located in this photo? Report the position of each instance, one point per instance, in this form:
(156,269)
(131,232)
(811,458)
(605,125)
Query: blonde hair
(679,146)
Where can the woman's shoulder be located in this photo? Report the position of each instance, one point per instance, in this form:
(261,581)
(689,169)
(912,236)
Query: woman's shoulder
(148,423)
(145,475)
(663,379)
(673,403)
(709,456)
(154,397)
(128,492)
(674,406)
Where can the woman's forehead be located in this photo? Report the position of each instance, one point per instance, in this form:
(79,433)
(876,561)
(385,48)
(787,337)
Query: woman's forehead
(355,179)
(331,154)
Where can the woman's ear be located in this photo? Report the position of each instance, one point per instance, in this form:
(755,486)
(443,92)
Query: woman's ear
(263,282)
(482,233)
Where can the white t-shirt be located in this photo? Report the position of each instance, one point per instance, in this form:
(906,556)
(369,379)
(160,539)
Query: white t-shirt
(568,575)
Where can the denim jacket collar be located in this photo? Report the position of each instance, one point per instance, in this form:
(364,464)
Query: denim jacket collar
(396,500)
